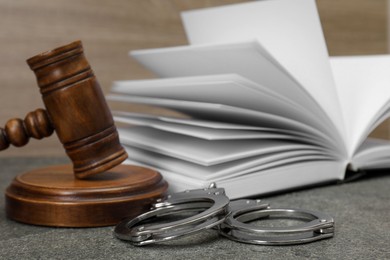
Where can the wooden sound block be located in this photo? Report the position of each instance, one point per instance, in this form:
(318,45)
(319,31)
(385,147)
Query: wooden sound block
(51,196)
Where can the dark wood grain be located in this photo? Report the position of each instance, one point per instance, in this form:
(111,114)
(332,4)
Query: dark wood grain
(18,132)
(53,197)
(76,109)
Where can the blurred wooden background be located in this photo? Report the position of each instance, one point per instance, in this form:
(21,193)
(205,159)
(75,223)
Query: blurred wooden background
(109,29)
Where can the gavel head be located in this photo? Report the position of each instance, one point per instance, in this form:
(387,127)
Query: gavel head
(77,110)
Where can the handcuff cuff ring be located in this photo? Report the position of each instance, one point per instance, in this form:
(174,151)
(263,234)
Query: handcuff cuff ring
(211,204)
(236,227)
(231,219)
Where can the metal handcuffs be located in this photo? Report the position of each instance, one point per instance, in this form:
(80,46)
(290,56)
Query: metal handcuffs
(214,210)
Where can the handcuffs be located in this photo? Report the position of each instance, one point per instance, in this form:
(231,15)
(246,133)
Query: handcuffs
(213,209)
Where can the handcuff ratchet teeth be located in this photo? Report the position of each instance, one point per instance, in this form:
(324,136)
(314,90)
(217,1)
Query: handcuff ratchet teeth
(231,218)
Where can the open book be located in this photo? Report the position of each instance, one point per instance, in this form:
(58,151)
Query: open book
(266,108)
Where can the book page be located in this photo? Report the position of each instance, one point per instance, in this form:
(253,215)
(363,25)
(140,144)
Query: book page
(196,122)
(290,31)
(209,133)
(282,178)
(230,89)
(247,59)
(372,154)
(363,84)
(211,130)
(224,170)
(218,125)
(224,113)
(201,151)
(263,182)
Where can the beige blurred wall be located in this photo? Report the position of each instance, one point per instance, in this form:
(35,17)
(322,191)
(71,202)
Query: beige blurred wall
(109,29)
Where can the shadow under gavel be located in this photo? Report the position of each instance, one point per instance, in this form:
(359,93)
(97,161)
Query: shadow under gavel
(77,111)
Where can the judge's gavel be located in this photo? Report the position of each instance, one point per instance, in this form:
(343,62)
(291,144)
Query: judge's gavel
(75,108)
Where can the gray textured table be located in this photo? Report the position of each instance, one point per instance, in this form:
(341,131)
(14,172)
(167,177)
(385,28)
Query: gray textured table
(361,210)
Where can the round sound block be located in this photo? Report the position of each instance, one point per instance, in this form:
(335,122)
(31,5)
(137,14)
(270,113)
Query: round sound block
(52,196)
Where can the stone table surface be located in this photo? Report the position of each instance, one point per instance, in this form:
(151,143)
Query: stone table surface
(361,210)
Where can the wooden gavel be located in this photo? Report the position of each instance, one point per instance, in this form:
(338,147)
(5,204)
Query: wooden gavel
(75,109)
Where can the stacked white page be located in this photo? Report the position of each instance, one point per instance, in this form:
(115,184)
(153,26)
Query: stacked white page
(264,107)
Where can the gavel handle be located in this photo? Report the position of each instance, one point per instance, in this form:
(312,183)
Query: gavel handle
(18,132)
